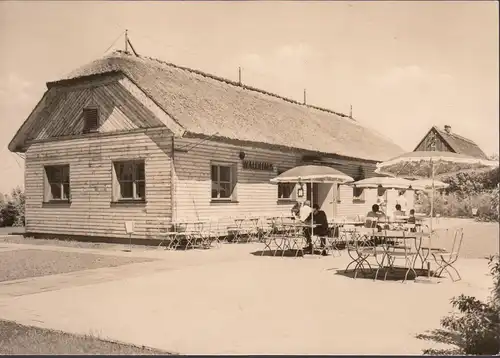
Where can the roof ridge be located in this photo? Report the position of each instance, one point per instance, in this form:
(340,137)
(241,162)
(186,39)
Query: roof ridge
(234,83)
(456,135)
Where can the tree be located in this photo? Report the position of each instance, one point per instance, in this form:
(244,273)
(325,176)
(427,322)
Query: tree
(12,208)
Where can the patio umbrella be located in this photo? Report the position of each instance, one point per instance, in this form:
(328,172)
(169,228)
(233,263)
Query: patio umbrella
(427,184)
(312,174)
(384,182)
(428,165)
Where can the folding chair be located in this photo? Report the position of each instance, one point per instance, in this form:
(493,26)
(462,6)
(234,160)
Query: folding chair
(404,251)
(446,259)
(359,250)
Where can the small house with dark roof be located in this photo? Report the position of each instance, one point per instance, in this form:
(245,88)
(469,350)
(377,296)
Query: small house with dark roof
(447,141)
(134,138)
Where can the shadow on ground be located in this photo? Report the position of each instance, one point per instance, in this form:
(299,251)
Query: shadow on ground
(395,274)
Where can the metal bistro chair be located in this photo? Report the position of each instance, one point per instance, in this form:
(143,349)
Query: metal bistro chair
(181,235)
(359,248)
(270,236)
(445,260)
(165,233)
(297,239)
(403,251)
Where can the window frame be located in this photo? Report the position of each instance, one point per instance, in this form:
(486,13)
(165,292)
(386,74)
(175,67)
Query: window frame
(48,196)
(117,180)
(233,181)
(359,198)
(86,127)
(293,192)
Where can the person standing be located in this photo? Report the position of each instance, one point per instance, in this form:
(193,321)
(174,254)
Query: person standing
(401,200)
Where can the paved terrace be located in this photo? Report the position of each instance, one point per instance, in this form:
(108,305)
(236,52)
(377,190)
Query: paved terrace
(228,301)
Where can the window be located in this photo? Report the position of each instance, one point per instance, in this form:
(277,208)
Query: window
(358,194)
(90,119)
(381,192)
(57,185)
(223,181)
(339,188)
(286,191)
(130,180)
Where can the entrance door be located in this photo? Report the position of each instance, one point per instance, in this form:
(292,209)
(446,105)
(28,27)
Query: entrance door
(314,193)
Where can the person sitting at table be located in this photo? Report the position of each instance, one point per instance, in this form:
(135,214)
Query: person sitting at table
(398,211)
(321,229)
(305,211)
(296,210)
(376,212)
(411,218)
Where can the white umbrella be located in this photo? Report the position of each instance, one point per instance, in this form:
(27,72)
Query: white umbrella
(429,164)
(427,184)
(312,174)
(384,182)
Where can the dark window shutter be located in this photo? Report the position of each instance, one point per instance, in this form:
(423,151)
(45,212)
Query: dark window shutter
(90,120)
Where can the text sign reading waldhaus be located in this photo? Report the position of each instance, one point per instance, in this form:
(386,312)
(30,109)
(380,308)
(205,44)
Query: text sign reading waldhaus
(253,165)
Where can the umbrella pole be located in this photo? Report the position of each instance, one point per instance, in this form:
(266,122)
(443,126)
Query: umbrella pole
(312,221)
(432,218)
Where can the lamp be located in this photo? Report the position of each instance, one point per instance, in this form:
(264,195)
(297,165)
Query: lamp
(242,155)
(300,191)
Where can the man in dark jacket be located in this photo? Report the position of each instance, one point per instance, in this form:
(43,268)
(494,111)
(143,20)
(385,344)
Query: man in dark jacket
(320,219)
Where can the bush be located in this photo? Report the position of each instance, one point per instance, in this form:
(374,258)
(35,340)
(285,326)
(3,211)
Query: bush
(12,208)
(453,205)
(475,328)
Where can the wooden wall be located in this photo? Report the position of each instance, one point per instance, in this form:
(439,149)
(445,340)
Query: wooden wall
(426,144)
(91,211)
(256,196)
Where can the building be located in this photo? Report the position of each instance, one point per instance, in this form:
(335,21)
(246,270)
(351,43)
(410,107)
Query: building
(134,138)
(446,140)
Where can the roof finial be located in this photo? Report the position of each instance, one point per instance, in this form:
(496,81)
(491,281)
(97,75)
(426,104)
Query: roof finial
(350,112)
(239,76)
(305,102)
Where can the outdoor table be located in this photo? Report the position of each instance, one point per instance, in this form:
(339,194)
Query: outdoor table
(393,235)
(295,225)
(253,232)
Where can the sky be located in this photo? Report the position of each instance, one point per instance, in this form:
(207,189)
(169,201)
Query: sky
(402,66)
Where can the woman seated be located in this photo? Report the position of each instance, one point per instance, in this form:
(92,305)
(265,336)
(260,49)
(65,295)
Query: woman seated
(398,211)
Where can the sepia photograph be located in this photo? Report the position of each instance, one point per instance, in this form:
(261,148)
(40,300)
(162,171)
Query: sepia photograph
(249,177)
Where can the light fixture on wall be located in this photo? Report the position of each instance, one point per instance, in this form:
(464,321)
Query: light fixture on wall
(242,155)
(300,190)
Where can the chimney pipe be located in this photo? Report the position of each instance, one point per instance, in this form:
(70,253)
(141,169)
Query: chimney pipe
(447,129)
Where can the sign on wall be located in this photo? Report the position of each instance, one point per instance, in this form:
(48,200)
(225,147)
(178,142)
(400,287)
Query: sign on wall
(254,165)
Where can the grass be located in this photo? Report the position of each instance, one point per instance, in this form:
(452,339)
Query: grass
(16,239)
(19,264)
(19,339)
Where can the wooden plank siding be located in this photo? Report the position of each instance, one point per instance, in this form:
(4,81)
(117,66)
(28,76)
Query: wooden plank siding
(256,196)
(426,143)
(91,211)
(119,110)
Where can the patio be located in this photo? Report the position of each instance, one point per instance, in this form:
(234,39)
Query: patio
(228,301)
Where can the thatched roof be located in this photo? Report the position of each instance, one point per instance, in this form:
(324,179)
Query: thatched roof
(208,105)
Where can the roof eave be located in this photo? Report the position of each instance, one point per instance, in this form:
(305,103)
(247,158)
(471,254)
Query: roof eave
(215,137)
(72,81)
